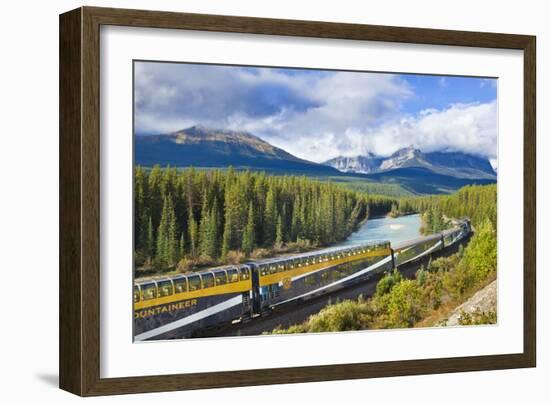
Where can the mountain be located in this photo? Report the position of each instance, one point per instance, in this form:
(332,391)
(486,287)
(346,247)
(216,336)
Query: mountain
(465,164)
(410,169)
(405,158)
(454,164)
(421,180)
(362,164)
(206,147)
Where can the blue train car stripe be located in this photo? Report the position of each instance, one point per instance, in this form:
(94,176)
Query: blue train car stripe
(190,319)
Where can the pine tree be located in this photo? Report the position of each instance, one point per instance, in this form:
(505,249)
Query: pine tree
(181,246)
(204,227)
(227,236)
(150,242)
(160,257)
(193,235)
(166,235)
(279,236)
(171,236)
(270,218)
(249,241)
(213,232)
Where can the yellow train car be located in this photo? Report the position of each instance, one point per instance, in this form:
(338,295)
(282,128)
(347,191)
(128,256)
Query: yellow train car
(179,306)
(308,275)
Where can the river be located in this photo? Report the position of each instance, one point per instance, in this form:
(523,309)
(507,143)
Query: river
(394,230)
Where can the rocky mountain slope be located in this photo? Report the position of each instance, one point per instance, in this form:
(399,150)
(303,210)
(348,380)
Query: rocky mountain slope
(482,302)
(205,147)
(455,164)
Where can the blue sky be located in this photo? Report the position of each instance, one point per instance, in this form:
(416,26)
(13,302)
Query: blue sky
(319,114)
(439,92)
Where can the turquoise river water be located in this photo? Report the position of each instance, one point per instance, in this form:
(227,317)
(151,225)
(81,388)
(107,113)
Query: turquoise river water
(393,229)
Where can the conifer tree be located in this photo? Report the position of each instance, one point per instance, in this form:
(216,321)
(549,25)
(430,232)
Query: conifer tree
(150,242)
(171,236)
(279,239)
(270,219)
(166,235)
(181,246)
(204,226)
(227,236)
(249,241)
(193,235)
(213,232)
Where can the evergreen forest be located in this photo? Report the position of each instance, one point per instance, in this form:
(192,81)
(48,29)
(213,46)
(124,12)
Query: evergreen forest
(185,219)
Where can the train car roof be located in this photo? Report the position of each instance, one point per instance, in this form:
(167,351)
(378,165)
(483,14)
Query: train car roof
(319,252)
(189,274)
(414,241)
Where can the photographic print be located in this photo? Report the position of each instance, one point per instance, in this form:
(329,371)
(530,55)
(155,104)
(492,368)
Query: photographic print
(276,200)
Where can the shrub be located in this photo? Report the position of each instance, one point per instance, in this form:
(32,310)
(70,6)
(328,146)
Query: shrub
(478,317)
(261,253)
(387,282)
(205,260)
(185,265)
(405,304)
(481,254)
(346,315)
(235,257)
(302,328)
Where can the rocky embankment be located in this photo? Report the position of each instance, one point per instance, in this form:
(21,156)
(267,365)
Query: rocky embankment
(482,302)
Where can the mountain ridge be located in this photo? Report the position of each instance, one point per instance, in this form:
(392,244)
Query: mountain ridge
(410,168)
(450,163)
(206,147)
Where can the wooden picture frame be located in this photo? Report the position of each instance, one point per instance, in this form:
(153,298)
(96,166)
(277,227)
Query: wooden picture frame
(79,346)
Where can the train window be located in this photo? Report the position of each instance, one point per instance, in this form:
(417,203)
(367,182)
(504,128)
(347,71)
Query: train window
(148,291)
(272,269)
(180,285)
(194,283)
(207,280)
(221,277)
(233,275)
(264,270)
(165,288)
(280,267)
(136,293)
(245,273)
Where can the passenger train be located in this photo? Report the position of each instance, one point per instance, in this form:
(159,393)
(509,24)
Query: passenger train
(182,305)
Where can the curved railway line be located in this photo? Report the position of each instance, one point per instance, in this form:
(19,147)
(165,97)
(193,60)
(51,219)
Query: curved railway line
(257,296)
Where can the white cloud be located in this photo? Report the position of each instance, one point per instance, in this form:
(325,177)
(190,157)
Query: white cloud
(315,115)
